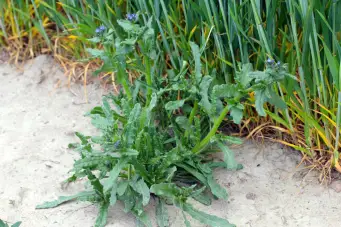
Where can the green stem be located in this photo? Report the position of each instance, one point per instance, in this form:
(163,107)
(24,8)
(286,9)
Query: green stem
(148,80)
(336,153)
(123,79)
(212,133)
(191,117)
(217,123)
(129,172)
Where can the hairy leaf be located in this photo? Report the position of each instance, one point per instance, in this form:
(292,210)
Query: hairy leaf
(122,187)
(197,62)
(64,199)
(174,105)
(243,76)
(204,86)
(260,97)
(237,114)
(187,223)
(205,218)
(228,156)
(113,195)
(100,122)
(95,52)
(216,189)
(276,100)
(131,129)
(114,173)
(142,188)
(162,217)
(165,189)
(129,26)
(203,199)
(144,218)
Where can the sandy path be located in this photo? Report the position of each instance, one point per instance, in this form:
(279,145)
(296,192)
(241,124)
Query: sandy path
(37,122)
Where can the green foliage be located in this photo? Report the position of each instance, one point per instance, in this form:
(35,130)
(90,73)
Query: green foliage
(157,135)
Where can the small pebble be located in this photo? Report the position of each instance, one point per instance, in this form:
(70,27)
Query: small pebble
(251,196)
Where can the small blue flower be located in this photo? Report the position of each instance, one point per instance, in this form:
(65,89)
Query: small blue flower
(98,30)
(270,61)
(131,16)
(102,27)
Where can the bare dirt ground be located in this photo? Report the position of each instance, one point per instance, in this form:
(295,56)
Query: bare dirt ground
(37,121)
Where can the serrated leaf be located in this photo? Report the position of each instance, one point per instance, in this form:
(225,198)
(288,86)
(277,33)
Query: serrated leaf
(174,105)
(64,199)
(142,188)
(197,62)
(101,220)
(205,218)
(162,217)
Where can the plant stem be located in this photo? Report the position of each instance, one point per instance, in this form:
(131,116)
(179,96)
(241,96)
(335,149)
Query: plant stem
(148,80)
(214,129)
(191,117)
(336,153)
(123,79)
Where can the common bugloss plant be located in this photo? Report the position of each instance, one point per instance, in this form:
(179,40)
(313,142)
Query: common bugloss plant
(157,135)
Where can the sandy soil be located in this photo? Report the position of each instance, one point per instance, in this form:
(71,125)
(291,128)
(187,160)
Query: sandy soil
(37,121)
